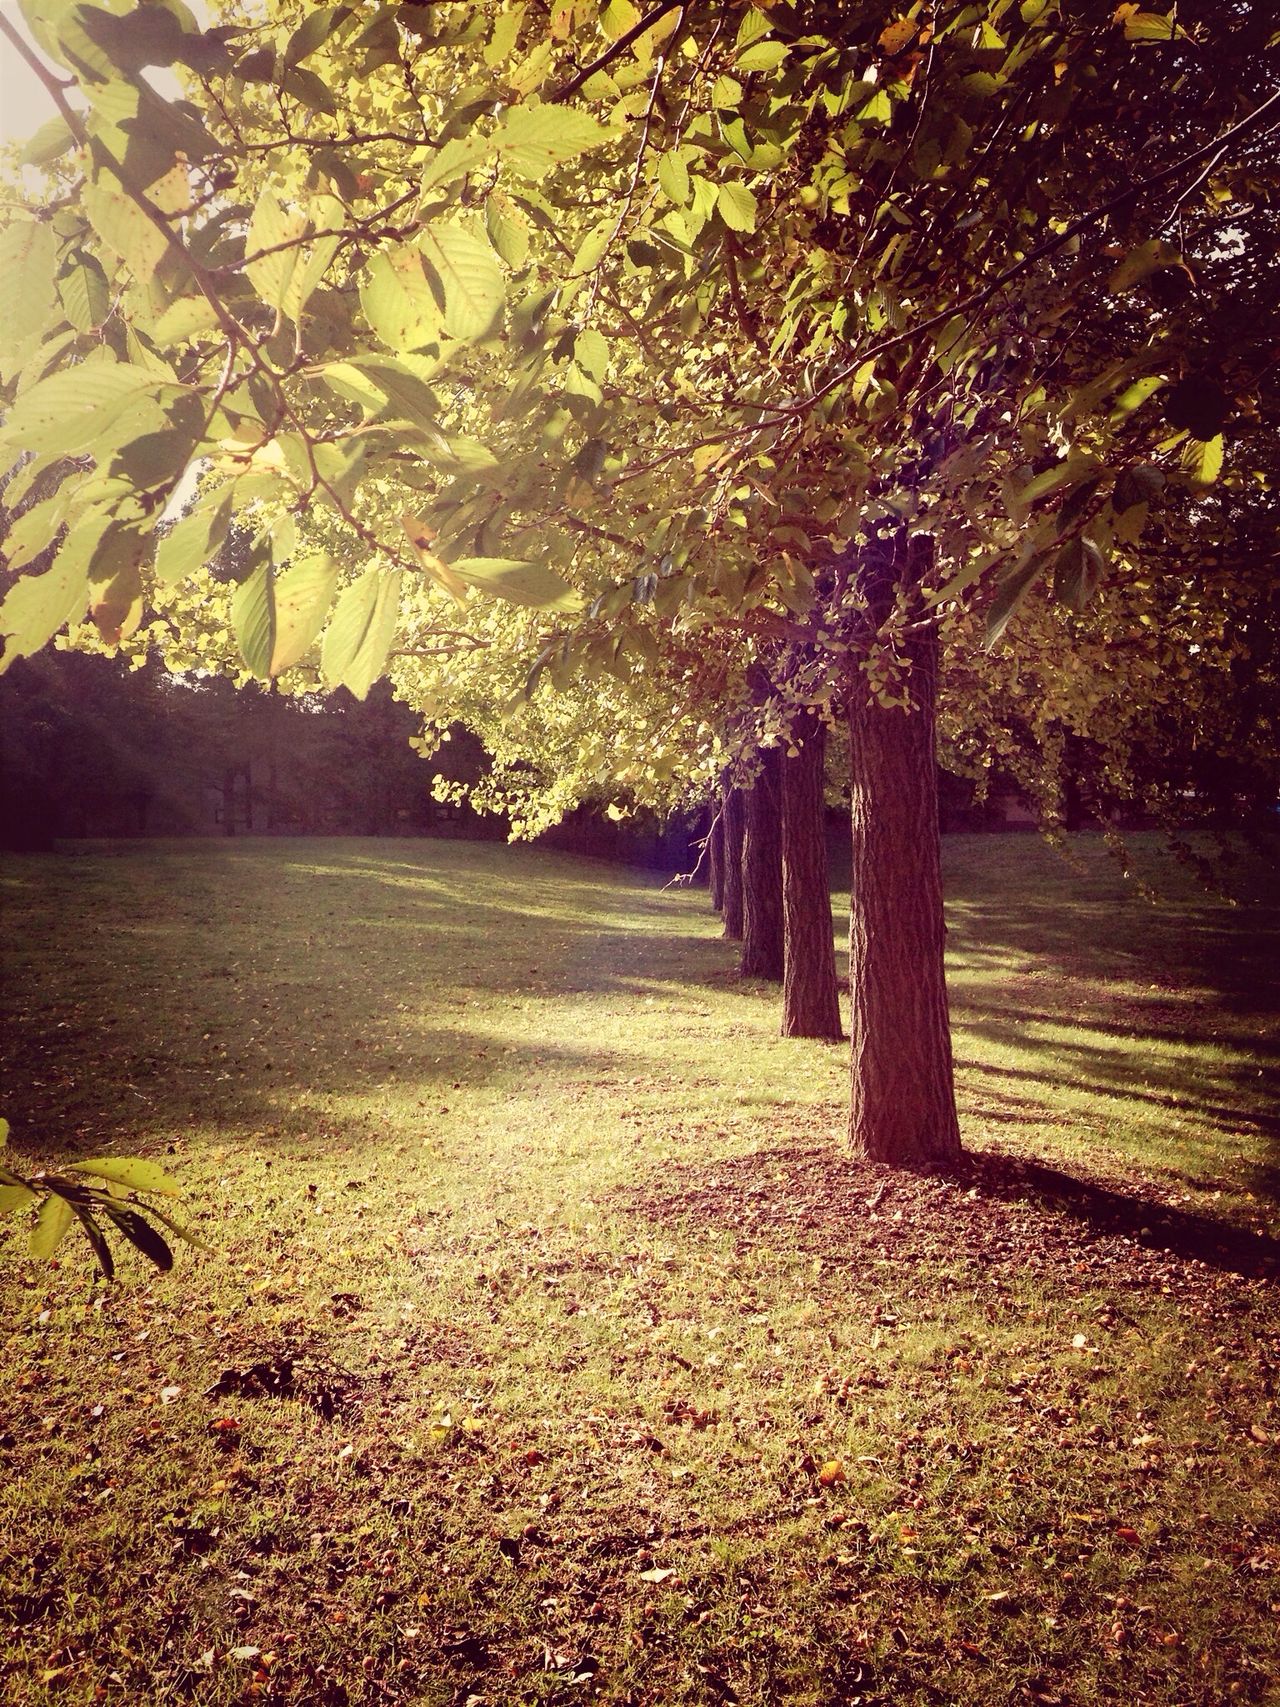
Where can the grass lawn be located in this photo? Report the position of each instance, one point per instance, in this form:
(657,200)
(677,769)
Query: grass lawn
(553,1350)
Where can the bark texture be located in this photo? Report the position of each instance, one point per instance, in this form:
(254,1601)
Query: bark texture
(810,997)
(733,818)
(902,1106)
(715,858)
(762,940)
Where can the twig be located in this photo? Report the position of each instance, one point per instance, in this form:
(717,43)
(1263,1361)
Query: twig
(683,879)
(614,49)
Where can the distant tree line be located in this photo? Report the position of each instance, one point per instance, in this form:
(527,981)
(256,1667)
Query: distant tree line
(89,748)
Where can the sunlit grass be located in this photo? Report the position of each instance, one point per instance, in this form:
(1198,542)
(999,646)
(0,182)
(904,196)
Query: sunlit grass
(501,1135)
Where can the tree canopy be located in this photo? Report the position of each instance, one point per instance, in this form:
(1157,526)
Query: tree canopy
(589,308)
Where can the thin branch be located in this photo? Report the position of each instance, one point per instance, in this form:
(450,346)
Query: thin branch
(641,151)
(684,879)
(614,50)
(358,139)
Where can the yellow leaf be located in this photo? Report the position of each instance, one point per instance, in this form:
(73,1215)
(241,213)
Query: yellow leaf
(420,537)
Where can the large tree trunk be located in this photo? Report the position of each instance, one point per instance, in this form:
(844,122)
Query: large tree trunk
(902,1106)
(715,856)
(762,872)
(734,818)
(810,997)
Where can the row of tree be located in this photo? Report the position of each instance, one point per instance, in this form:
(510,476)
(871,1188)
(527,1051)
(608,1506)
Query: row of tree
(651,386)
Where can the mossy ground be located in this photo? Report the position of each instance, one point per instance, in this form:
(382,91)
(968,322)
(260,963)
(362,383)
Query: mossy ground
(553,1349)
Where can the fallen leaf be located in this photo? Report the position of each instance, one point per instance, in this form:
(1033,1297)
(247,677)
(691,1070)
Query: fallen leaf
(656,1575)
(832,1472)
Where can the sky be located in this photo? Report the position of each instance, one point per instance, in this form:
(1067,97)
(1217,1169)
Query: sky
(24,103)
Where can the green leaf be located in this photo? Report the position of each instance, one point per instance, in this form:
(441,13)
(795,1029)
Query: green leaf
(1149,27)
(359,636)
(1149,257)
(303,595)
(1008,597)
(28,259)
(313,32)
(124,228)
(168,1221)
(194,539)
(1073,468)
(97,1243)
(15,1197)
(673,177)
(762,56)
(1135,395)
(1137,484)
(131,1171)
(37,606)
(384,381)
(36,529)
(754,25)
(84,293)
(471,280)
(519,583)
(617,17)
(736,206)
(398,302)
(52,1226)
(1077,571)
(273,274)
(591,352)
(506,230)
(54,139)
(1202,459)
(457,157)
(276,616)
(76,411)
(311,90)
(253,619)
(531,140)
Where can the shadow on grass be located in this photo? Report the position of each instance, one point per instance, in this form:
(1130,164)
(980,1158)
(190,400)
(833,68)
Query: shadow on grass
(1065,978)
(153,984)
(1107,1211)
(850,1212)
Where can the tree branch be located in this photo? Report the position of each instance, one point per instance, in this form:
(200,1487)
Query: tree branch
(614,50)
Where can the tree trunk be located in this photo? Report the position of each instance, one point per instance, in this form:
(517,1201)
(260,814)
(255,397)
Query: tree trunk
(715,857)
(762,872)
(810,997)
(229,801)
(902,1106)
(733,812)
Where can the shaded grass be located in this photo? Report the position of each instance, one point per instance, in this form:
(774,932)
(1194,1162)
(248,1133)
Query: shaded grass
(497,1150)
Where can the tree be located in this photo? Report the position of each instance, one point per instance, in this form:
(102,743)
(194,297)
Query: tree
(810,995)
(762,934)
(733,816)
(444,304)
